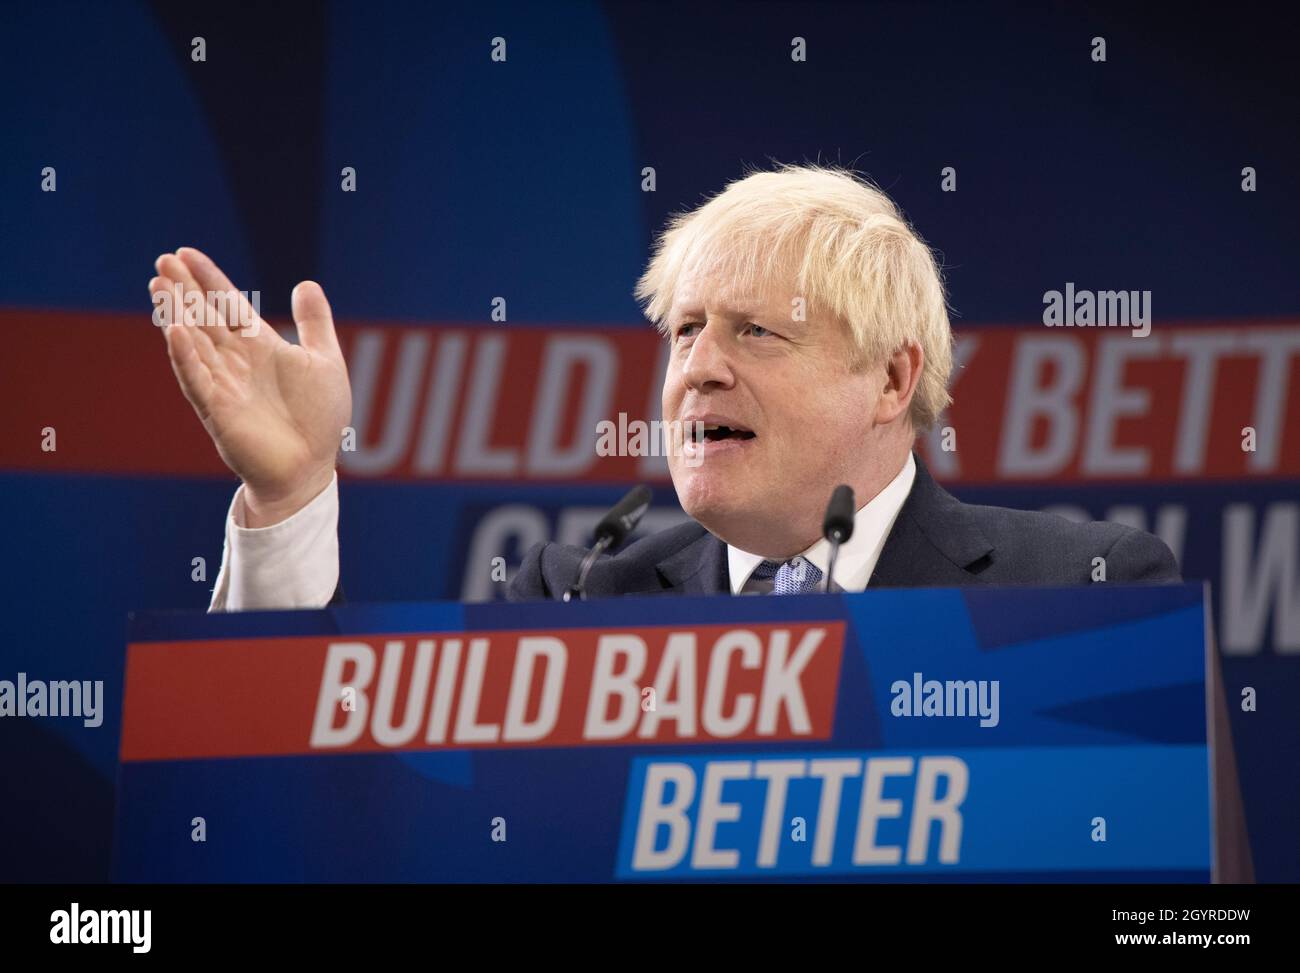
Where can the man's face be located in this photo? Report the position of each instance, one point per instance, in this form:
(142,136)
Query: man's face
(796,420)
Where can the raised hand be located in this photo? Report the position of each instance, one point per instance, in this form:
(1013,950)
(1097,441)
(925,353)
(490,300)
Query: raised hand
(276,411)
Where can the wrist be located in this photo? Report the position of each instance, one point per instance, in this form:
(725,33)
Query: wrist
(265,508)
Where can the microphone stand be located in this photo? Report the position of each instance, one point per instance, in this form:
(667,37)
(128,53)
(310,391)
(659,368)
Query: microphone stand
(837,526)
(579,587)
(610,532)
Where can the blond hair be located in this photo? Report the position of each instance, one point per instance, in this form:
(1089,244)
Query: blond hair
(858,260)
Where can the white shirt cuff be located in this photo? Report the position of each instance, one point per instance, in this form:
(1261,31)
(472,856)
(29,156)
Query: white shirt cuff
(292,564)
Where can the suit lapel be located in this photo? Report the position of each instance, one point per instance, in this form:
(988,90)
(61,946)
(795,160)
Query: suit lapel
(699,568)
(933,542)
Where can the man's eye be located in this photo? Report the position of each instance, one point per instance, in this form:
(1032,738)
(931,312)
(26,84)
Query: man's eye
(758,331)
(687,330)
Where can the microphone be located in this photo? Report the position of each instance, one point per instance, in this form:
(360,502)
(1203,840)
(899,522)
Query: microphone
(837,525)
(610,532)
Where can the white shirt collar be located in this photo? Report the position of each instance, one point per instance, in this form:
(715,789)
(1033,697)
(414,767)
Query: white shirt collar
(859,554)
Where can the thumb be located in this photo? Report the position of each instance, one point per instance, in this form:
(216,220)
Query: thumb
(315,322)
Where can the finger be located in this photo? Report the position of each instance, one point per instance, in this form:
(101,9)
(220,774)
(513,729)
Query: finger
(198,311)
(239,313)
(315,322)
(193,358)
(187,334)
(168,301)
(160,296)
(194,377)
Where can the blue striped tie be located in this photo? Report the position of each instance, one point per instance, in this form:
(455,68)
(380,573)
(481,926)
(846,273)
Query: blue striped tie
(797,576)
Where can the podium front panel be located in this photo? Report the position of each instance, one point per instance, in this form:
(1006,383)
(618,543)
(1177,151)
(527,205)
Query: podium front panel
(971,735)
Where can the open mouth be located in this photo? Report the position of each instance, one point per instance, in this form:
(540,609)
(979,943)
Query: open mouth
(712,433)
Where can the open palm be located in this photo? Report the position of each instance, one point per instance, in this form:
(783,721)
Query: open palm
(275,410)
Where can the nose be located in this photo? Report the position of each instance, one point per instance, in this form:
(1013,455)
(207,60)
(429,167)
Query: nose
(708,367)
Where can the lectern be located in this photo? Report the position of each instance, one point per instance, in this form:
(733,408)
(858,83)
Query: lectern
(962,734)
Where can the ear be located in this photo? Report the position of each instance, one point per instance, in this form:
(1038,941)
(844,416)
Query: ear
(902,375)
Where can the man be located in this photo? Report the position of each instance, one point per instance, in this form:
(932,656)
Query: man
(809,335)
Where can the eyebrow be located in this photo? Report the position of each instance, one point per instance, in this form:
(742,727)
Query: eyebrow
(740,308)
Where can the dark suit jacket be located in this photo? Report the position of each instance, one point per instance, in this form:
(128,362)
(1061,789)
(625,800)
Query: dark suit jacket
(937,541)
